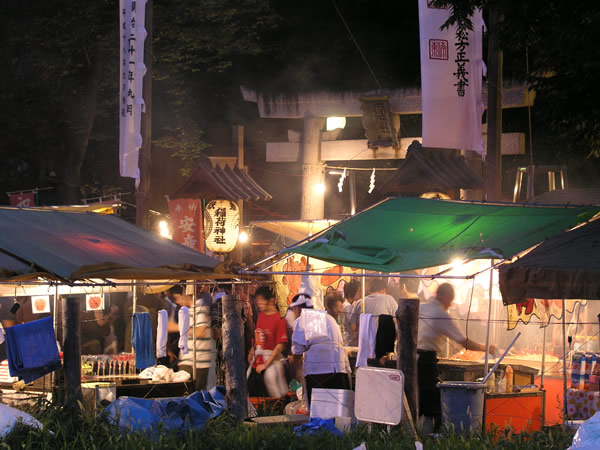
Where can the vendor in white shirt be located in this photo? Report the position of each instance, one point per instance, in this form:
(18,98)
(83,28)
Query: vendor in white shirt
(326,363)
(435,325)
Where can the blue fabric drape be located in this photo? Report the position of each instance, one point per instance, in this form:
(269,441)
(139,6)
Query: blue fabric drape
(141,340)
(31,349)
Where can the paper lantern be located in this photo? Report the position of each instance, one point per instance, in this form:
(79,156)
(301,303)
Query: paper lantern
(221,225)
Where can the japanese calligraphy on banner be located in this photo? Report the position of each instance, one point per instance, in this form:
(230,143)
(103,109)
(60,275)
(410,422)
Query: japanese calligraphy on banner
(222,225)
(133,34)
(22,199)
(452,69)
(186,222)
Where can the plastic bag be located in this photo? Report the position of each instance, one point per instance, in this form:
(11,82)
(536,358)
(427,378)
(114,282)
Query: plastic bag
(10,416)
(588,434)
(316,426)
(314,324)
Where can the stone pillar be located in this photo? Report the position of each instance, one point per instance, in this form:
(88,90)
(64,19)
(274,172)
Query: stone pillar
(313,170)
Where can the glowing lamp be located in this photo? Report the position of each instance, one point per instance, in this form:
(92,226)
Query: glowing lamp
(221,225)
(333,123)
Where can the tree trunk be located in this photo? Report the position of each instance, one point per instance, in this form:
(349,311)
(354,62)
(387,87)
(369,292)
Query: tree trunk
(408,325)
(233,353)
(80,122)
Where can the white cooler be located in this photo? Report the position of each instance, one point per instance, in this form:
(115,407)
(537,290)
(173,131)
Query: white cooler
(330,403)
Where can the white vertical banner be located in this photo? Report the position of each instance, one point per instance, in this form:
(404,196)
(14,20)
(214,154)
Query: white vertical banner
(452,69)
(133,33)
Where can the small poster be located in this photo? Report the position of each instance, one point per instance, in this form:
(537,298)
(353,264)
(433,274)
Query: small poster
(40,304)
(94,302)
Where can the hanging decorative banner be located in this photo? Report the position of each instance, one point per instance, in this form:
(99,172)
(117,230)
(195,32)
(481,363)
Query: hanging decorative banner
(94,302)
(186,222)
(40,305)
(372,181)
(287,286)
(22,199)
(544,310)
(222,225)
(451,80)
(133,34)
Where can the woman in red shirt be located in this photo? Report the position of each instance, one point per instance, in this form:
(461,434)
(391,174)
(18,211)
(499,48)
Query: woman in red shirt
(270,339)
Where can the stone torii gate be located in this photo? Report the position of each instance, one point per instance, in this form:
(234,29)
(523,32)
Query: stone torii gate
(314,147)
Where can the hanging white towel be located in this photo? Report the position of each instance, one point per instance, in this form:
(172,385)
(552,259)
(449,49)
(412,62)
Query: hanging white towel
(184,329)
(161,333)
(366,339)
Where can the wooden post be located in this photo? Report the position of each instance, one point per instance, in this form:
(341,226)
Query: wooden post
(408,325)
(233,353)
(72,351)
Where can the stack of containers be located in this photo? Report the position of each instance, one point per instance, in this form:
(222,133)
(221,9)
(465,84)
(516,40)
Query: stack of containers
(585,372)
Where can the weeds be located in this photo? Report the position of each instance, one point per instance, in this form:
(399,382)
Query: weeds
(70,427)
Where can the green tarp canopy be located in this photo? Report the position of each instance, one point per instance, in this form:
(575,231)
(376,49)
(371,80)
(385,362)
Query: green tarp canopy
(401,234)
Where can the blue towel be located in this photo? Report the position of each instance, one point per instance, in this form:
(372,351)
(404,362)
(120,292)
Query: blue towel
(141,339)
(31,349)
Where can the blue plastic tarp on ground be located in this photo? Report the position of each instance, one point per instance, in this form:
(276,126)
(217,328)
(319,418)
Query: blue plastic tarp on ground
(173,413)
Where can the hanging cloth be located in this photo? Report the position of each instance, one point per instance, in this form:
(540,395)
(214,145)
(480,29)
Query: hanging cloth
(31,349)
(141,340)
(184,329)
(161,333)
(366,339)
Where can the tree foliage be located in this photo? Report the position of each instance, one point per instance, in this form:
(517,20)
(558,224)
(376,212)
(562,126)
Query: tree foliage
(59,77)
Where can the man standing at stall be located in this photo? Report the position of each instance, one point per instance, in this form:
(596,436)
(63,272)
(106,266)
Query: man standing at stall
(205,345)
(435,325)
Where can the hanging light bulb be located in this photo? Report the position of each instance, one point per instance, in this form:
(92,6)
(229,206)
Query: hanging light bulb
(372,181)
(341,182)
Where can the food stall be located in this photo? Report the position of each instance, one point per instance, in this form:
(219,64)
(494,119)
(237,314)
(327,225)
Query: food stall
(446,241)
(565,268)
(107,264)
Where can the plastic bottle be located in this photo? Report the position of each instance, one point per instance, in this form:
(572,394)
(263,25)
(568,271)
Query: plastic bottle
(508,374)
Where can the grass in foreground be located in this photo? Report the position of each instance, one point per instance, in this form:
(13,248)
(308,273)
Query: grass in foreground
(67,428)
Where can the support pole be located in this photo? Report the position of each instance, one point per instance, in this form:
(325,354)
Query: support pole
(193,321)
(363,291)
(72,352)
(543,359)
(487,334)
(352,189)
(564,333)
(408,325)
(233,354)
